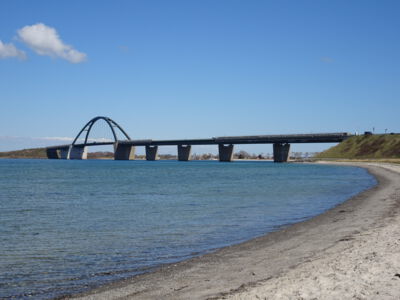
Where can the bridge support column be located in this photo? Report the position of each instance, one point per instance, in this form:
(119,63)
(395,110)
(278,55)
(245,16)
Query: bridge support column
(64,152)
(52,154)
(151,152)
(124,152)
(77,152)
(281,152)
(184,152)
(225,152)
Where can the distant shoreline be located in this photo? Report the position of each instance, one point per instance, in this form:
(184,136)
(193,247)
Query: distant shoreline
(236,270)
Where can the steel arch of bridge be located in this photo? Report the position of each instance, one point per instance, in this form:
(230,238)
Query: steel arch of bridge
(88,127)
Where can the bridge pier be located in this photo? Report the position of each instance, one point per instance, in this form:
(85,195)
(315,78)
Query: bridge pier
(77,152)
(184,152)
(151,152)
(52,153)
(281,152)
(64,152)
(225,152)
(124,152)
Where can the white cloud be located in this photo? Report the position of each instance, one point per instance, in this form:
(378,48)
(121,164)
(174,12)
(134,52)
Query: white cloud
(9,50)
(70,139)
(100,140)
(44,40)
(124,49)
(327,59)
(54,138)
(67,139)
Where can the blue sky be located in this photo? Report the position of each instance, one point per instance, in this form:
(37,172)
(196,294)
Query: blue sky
(197,69)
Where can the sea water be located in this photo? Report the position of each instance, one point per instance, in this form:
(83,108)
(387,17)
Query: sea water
(66,226)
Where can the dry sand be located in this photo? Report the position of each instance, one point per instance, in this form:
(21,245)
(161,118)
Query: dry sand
(350,252)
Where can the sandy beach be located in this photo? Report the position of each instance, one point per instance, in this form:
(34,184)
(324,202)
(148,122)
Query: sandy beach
(350,252)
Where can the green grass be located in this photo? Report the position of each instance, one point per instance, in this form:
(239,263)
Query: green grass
(382,146)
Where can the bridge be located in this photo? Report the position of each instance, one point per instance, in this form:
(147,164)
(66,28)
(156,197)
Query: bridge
(124,149)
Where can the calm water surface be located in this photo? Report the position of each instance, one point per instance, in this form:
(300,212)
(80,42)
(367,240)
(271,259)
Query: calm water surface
(69,225)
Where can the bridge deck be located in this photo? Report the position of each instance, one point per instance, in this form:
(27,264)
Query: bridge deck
(257,139)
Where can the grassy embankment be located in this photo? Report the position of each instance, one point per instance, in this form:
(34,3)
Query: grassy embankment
(381,147)
(26,153)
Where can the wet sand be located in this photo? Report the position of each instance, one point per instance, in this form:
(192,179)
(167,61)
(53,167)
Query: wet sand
(351,251)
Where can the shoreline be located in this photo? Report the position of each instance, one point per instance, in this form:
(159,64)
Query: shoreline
(244,270)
